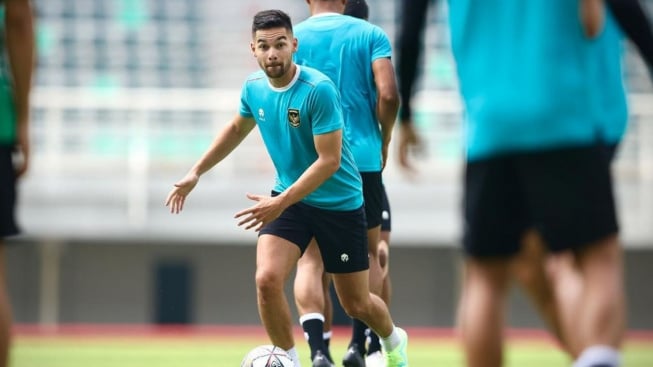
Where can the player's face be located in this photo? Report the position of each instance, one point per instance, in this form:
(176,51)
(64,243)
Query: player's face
(273,49)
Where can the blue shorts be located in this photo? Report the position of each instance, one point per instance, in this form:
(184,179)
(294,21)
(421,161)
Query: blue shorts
(8,225)
(341,235)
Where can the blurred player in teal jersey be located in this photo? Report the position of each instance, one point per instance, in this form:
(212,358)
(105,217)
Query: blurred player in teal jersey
(16,67)
(529,98)
(356,56)
(317,192)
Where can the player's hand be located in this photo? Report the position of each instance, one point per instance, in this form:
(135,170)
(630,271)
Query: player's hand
(23,148)
(265,211)
(408,142)
(177,196)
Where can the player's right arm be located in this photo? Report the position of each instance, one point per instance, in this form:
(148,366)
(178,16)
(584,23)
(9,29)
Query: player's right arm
(387,100)
(224,143)
(409,45)
(19,23)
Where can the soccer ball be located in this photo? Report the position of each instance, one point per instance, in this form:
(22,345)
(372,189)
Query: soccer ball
(267,356)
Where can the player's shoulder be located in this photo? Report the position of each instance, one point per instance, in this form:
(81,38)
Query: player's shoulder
(256,76)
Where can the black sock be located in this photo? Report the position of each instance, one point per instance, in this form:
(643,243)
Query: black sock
(313,329)
(358,335)
(327,343)
(375,344)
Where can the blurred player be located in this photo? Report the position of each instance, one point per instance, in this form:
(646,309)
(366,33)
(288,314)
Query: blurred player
(503,158)
(356,56)
(16,66)
(530,266)
(317,192)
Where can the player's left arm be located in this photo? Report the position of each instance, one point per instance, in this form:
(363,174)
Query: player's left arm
(636,24)
(387,104)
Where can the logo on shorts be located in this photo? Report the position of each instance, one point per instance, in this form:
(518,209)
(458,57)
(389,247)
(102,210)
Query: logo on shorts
(293,117)
(344,258)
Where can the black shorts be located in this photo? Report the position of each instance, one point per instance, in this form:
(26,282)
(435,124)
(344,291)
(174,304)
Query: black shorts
(386,217)
(8,225)
(340,235)
(373,196)
(565,193)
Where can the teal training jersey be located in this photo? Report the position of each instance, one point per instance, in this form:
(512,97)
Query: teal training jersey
(344,48)
(611,108)
(7,108)
(288,119)
(524,76)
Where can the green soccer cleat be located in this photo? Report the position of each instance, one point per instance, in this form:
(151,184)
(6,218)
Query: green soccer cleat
(398,357)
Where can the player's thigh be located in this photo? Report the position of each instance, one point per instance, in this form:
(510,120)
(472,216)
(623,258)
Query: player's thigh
(311,259)
(570,195)
(276,257)
(342,239)
(352,288)
(494,210)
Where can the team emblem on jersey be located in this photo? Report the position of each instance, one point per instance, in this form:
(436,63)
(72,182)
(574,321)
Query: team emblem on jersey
(293,117)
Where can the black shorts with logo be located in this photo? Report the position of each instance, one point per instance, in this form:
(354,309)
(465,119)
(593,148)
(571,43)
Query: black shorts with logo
(565,193)
(340,235)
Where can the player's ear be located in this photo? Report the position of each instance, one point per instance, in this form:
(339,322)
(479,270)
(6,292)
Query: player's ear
(295,43)
(253,48)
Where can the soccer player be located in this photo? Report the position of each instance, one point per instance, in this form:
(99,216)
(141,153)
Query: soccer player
(530,266)
(16,66)
(317,192)
(356,56)
(515,166)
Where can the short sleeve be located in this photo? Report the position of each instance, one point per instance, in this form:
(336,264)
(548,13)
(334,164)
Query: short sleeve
(381,47)
(325,108)
(245,110)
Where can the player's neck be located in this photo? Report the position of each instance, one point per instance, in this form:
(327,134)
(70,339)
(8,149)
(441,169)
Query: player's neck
(286,78)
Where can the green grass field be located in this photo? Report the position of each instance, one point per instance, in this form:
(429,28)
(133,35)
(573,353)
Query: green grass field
(226,351)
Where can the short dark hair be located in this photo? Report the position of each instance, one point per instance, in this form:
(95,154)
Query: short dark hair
(267,19)
(357,9)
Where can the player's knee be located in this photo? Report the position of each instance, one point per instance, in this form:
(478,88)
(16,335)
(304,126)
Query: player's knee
(355,308)
(268,282)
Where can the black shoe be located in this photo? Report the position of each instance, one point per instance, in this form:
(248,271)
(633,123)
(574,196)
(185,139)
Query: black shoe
(320,360)
(353,358)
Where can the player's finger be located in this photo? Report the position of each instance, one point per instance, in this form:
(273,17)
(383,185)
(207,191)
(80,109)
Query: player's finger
(254,197)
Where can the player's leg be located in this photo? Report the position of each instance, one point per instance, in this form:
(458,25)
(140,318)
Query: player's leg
(372,192)
(342,239)
(5,311)
(530,271)
(309,298)
(279,247)
(495,220)
(485,286)
(572,194)
(374,353)
(328,315)
(275,259)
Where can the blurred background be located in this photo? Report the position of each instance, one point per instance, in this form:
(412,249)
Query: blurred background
(129,93)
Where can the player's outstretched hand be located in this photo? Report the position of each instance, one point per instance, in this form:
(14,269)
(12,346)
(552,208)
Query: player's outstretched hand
(180,191)
(265,211)
(408,142)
